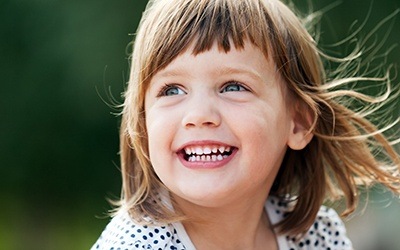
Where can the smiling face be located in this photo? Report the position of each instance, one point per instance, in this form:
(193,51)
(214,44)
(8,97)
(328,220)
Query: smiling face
(218,125)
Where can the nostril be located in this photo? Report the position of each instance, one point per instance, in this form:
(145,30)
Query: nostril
(201,116)
(208,123)
(202,124)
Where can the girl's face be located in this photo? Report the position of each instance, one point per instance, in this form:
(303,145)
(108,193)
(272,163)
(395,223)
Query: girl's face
(218,125)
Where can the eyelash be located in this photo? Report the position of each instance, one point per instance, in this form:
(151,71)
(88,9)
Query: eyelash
(167,87)
(235,83)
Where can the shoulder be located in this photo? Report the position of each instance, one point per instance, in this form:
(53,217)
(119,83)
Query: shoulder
(327,232)
(123,233)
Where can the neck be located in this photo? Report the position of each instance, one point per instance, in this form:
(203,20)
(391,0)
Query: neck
(243,225)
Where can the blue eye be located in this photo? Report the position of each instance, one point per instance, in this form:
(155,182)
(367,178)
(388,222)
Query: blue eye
(171,90)
(233,86)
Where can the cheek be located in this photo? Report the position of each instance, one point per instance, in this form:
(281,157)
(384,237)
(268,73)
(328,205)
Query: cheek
(160,131)
(264,132)
(154,134)
(156,137)
(160,137)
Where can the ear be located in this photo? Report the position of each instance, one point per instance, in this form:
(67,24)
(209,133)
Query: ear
(300,133)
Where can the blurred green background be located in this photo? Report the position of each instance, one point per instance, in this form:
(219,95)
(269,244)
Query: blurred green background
(59,138)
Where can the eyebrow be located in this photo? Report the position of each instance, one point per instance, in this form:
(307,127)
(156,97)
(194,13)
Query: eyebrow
(233,70)
(172,72)
(222,70)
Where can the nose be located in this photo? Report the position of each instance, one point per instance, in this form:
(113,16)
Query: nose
(201,112)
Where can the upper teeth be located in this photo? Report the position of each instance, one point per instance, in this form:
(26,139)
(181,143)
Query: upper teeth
(200,150)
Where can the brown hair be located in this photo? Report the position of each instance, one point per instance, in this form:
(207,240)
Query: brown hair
(346,151)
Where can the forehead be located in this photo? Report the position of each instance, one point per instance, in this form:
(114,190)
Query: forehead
(248,60)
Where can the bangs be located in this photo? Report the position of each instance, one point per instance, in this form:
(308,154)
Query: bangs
(227,23)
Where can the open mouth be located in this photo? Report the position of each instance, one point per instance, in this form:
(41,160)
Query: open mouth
(211,153)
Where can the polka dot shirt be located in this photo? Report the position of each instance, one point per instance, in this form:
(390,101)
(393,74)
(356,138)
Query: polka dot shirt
(327,232)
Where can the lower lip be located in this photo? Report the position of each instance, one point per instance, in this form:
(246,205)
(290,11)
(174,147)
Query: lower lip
(206,164)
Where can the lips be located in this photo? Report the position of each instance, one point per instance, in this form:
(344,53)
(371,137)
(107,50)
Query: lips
(206,153)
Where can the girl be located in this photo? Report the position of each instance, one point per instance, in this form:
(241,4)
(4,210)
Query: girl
(233,135)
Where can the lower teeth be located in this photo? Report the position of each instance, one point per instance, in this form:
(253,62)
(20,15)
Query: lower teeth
(207,158)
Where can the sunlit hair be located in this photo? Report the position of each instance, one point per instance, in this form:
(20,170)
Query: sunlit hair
(347,150)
